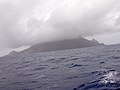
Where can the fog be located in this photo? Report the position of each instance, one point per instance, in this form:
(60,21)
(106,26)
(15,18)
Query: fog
(27,22)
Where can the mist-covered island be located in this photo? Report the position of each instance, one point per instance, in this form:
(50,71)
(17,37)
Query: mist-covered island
(63,45)
(59,45)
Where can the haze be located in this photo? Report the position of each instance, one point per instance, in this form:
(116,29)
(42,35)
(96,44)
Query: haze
(27,22)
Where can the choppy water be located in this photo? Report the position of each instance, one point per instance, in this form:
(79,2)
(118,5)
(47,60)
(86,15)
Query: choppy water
(95,68)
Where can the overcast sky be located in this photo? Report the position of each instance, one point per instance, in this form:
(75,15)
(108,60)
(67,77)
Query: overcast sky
(26,22)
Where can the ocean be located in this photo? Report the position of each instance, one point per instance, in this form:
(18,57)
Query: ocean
(92,68)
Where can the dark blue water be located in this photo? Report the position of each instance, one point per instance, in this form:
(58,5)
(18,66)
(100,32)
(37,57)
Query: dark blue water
(94,68)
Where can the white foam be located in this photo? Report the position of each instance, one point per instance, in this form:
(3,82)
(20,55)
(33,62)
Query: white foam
(111,77)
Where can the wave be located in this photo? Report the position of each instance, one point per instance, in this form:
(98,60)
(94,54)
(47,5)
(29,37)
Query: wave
(109,81)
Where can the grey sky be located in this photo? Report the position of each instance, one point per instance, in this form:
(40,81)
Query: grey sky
(26,22)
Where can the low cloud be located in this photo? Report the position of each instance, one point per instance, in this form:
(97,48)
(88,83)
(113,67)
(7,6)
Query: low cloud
(27,22)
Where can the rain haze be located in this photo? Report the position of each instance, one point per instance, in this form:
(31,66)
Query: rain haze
(27,22)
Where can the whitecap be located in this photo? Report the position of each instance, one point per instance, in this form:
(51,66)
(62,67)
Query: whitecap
(110,77)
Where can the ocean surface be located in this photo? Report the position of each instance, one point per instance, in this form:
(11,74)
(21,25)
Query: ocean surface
(93,68)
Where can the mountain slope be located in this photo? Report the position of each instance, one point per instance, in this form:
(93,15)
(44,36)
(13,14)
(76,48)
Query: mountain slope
(61,45)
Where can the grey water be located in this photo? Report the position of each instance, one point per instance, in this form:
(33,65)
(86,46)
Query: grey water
(93,68)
